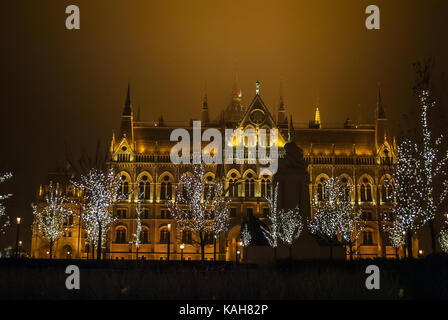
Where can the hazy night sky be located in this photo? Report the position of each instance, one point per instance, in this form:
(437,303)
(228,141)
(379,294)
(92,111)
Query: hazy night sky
(60,86)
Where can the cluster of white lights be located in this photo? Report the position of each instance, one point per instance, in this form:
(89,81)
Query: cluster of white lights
(335,217)
(100,190)
(419,166)
(200,206)
(285,224)
(51,217)
(246,237)
(4,219)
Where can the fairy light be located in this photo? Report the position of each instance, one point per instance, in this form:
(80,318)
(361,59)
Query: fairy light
(246,237)
(4,219)
(408,210)
(100,190)
(443,240)
(272,233)
(51,217)
(137,235)
(200,206)
(285,224)
(333,216)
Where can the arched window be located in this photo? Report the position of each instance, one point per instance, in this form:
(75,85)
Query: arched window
(366,191)
(233,186)
(124,188)
(387,191)
(187,237)
(166,189)
(120,236)
(265,187)
(249,186)
(164,235)
(321,189)
(345,185)
(144,236)
(144,188)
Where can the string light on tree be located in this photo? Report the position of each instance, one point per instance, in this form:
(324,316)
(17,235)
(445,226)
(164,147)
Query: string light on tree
(100,191)
(334,215)
(51,218)
(137,235)
(200,206)
(409,216)
(4,219)
(246,237)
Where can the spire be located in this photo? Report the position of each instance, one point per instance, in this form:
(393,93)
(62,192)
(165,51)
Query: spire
(112,143)
(317,116)
(236,91)
(291,133)
(379,105)
(204,111)
(257,88)
(127,111)
(316,124)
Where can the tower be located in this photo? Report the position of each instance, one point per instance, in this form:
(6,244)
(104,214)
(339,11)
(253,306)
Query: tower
(316,124)
(127,118)
(381,122)
(204,111)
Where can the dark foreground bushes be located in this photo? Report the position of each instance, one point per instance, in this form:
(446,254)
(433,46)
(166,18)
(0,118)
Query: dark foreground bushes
(404,279)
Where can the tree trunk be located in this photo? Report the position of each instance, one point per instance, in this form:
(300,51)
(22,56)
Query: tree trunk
(351,250)
(275,254)
(331,252)
(51,249)
(433,236)
(100,235)
(396,253)
(290,252)
(409,235)
(136,255)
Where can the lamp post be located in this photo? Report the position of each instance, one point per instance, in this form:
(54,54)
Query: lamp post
(20,247)
(237,252)
(242,248)
(18,234)
(182,246)
(169,240)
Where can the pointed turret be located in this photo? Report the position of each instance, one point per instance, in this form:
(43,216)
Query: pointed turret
(379,106)
(204,111)
(127,118)
(381,122)
(291,133)
(237,94)
(317,117)
(112,143)
(316,124)
(127,110)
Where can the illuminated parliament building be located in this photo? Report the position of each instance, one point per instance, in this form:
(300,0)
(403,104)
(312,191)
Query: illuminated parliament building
(361,155)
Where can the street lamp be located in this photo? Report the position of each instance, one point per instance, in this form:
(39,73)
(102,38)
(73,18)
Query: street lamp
(169,240)
(237,252)
(17,239)
(182,246)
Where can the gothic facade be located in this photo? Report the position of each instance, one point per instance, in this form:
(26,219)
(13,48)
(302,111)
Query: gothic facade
(361,155)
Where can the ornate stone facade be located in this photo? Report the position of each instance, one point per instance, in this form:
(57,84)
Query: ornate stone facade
(362,155)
